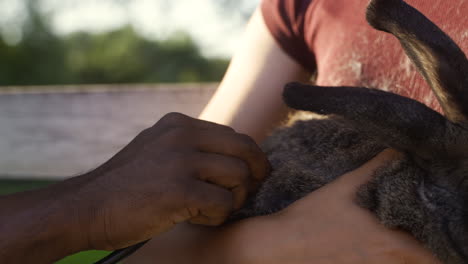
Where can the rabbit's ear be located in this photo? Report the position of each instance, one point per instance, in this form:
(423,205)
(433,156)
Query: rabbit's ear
(441,62)
(402,123)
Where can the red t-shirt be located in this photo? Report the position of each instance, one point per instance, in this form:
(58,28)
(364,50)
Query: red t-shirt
(333,37)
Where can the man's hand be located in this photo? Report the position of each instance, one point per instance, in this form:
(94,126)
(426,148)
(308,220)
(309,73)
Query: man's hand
(181,169)
(325,227)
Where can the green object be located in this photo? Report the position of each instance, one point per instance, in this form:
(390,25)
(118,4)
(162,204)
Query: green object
(86,257)
(9,186)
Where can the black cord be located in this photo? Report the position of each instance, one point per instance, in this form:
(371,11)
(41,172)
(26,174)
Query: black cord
(120,254)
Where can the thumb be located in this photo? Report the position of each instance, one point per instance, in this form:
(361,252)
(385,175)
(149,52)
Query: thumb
(347,184)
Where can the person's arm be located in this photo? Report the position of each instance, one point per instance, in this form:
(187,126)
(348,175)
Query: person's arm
(43,225)
(328,227)
(325,227)
(249,99)
(249,96)
(179,170)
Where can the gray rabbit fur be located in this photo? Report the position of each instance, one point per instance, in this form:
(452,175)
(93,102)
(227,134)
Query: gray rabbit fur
(426,191)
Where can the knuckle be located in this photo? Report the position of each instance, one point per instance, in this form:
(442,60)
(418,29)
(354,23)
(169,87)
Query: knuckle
(174,118)
(145,133)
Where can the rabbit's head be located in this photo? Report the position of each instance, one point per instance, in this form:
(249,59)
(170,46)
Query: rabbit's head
(437,144)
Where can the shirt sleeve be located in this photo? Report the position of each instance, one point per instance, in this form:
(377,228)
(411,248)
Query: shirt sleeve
(285,19)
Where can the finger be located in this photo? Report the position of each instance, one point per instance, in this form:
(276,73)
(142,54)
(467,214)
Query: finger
(227,172)
(214,204)
(348,183)
(236,145)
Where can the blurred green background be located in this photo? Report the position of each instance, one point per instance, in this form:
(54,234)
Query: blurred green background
(33,53)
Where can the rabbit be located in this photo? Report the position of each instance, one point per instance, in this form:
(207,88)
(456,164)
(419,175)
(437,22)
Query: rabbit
(425,191)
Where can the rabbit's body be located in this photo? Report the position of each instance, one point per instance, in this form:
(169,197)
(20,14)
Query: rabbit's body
(425,192)
(311,153)
(306,156)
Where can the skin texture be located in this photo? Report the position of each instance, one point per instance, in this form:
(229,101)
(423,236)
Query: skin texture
(97,204)
(424,191)
(342,232)
(179,170)
(249,96)
(235,104)
(324,227)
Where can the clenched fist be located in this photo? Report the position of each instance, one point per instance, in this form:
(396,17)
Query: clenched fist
(181,169)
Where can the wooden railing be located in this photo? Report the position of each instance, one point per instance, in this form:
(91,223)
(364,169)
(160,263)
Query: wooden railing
(60,131)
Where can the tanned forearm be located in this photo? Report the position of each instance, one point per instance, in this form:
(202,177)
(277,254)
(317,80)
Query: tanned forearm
(44,225)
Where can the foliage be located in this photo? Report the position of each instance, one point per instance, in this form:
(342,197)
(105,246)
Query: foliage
(120,56)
